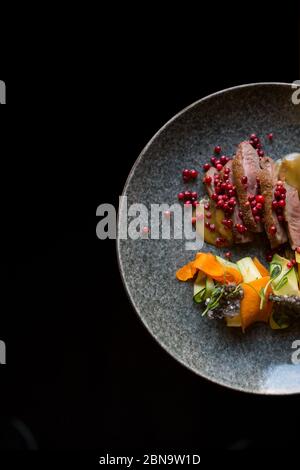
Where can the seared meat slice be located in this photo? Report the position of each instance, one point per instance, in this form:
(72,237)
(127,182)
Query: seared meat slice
(292,215)
(267,177)
(246,163)
(238,237)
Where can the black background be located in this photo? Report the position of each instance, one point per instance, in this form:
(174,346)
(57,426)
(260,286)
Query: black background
(81,370)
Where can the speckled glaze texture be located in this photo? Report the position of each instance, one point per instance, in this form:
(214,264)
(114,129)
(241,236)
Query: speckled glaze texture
(258,361)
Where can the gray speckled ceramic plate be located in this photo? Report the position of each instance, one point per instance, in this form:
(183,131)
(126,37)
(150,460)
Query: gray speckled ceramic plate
(259,361)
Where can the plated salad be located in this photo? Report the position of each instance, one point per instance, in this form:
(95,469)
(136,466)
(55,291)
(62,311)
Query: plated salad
(245,292)
(248,195)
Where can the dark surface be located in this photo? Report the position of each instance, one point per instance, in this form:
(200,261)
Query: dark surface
(82,371)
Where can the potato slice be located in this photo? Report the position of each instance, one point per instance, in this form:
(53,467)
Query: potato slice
(289,170)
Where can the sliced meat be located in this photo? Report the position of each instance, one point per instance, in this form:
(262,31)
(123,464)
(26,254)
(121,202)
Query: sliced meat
(238,237)
(292,215)
(267,177)
(246,163)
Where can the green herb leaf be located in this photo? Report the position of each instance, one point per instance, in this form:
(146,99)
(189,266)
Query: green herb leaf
(214,299)
(199,297)
(282,282)
(275,271)
(262,295)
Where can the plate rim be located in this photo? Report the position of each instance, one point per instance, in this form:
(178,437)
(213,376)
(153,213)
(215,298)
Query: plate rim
(161,343)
